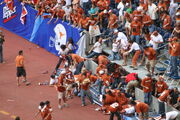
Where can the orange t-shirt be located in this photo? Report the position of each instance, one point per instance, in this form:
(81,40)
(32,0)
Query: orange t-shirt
(102,59)
(47,112)
(19,61)
(162,5)
(85,85)
(100,68)
(93,78)
(176,49)
(106,79)
(167,21)
(61,13)
(109,99)
(60,86)
(84,22)
(136,28)
(164,95)
(77,58)
(141,107)
(144,6)
(102,5)
(150,53)
(146,20)
(122,100)
(117,1)
(138,14)
(161,86)
(147,82)
(112,19)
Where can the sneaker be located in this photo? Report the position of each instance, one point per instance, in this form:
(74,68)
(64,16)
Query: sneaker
(28,83)
(97,109)
(60,107)
(66,105)
(83,105)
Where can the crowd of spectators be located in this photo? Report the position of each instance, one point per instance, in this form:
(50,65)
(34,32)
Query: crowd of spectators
(138,26)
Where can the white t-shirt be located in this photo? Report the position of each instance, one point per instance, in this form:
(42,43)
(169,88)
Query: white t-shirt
(67,10)
(115,47)
(97,47)
(152,11)
(68,2)
(171,115)
(130,110)
(70,47)
(154,39)
(120,7)
(122,36)
(134,46)
(61,52)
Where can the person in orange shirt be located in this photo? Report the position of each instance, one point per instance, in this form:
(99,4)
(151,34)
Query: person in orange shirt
(77,61)
(150,53)
(102,59)
(84,86)
(84,22)
(47,110)
(61,90)
(160,86)
(121,99)
(138,13)
(147,88)
(60,13)
(162,4)
(147,22)
(21,72)
(102,4)
(106,82)
(166,21)
(162,99)
(113,19)
(141,108)
(136,28)
(174,48)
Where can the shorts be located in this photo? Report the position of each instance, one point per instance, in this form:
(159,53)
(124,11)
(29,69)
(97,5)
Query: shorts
(21,72)
(61,95)
(68,86)
(151,63)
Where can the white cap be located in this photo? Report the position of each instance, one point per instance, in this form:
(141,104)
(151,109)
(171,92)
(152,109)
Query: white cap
(178,13)
(105,11)
(139,8)
(63,72)
(101,72)
(115,31)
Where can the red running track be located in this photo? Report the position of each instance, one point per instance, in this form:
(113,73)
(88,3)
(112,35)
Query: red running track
(23,101)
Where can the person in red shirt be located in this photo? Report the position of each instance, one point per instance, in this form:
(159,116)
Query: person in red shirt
(150,53)
(146,83)
(132,82)
(136,28)
(174,48)
(84,87)
(160,86)
(141,108)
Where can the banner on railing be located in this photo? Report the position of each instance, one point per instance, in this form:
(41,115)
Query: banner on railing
(36,30)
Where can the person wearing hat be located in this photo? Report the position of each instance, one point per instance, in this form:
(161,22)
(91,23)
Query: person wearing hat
(156,39)
(174,51)
(160,86)
(1,46)
(150,55)
(146,83)
(136,28)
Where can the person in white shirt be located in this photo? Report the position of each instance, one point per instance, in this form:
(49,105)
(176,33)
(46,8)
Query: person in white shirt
(133,47)
(68,10)
(152,10)
(120,7)
(96,50)
(156,39)
(62,56)
(172,115)
(115,49)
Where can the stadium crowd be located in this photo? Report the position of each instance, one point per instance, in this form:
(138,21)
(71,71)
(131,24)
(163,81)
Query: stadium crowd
(138,27)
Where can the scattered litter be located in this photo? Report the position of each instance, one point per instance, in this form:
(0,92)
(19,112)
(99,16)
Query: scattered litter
(10,100)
